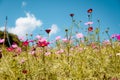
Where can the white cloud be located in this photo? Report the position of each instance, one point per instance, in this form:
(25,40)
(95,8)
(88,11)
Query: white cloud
(24,4)
(54,29)
(24,25)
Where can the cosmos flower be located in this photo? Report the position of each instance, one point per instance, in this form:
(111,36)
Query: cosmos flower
(48,31)
(118,37)
(24,71)
(90,28)
(65,40)
(71,14)
(42,42)
(2,40)
(14,45)
(89,10)
(25,43)
(57,38)
(10,49)
(38,37)
(88,23)
(79,35)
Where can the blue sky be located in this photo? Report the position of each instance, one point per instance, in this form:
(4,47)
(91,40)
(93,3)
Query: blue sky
(34,16)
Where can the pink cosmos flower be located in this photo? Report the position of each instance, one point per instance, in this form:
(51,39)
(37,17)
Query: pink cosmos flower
(38,37)
(65,40)
(14,45)
(10,49)
(59,51)
(88,23)
(114,35)
(25,43)
(106,42)
(2,40)
(118,37)
(57,38)
(79,35)
(21,38)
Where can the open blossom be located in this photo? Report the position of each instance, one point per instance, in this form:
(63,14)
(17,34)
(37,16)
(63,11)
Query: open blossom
(10,49)
(65,40)
(90,28)
(118,37)
(14,45)
(2,40)
(21,38)
(42,42)
(26,43)
(57,38)
(106,42)
(79,35)
(88,23)
(38,37)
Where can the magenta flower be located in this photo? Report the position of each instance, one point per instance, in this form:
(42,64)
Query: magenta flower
(42,42)
(118,37)
(88,23)
(10,49)
(25,43)
(79,35)
(57,38)
(2,40)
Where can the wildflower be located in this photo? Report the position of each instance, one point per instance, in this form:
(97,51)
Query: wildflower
(65,40)
(71,14)
(2,40)
(48,31)
(106,42)
(18,50)
(57,38)
(59,51)
(24,71)
(14,45)
(114,35)
(38,37)
(89,10)
(90,28)
(118,37)
(88,23)
(79,35)
(21,38)
(10,49)
(42,42)
(66,30)
(26,43)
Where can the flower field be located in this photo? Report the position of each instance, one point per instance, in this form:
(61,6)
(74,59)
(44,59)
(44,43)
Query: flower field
(82,57)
